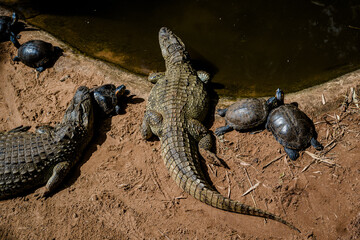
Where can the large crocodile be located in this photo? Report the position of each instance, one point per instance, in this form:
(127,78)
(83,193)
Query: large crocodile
(176,106)
(29,160)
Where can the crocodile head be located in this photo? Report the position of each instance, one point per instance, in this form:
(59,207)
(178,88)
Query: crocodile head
(172,48)
(80,110)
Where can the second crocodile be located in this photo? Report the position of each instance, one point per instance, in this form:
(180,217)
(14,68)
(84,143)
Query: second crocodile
(29,160)
(176,106)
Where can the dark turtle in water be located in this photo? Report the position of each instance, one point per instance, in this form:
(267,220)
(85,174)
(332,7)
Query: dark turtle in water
(107,97)
(292,128)
(8,29)
(246,114)
(38,54)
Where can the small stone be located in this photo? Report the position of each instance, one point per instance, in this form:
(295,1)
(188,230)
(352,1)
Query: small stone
(64,78)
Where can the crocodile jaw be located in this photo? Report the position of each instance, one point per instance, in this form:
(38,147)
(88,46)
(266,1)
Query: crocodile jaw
(172,48)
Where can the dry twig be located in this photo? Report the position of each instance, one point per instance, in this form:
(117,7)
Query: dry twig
(154,176)
(307,166)
(274,160)
(248,177)
(321,159)
(164,234)
(229,185)
(251,189)
(355,98)
(323,100)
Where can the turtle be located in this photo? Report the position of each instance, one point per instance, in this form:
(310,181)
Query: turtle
(107,98)
(292,128)
(7,29)
(246,115)
(38,54)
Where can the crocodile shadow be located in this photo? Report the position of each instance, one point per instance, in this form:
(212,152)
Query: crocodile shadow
(200,63)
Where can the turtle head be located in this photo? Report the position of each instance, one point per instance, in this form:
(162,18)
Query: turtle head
(107,98)
(172,48)
(276,101)
(279,95)
(120,91)
(14,18)
(80,111)
(272,103)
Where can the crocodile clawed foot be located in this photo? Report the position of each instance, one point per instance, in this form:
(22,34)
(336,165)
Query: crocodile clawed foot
(24,198)
(41,193)
(211,158)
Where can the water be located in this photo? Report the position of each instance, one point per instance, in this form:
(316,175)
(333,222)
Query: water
(250,47)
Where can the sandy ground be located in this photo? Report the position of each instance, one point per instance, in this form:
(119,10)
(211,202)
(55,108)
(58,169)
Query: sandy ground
(122,190)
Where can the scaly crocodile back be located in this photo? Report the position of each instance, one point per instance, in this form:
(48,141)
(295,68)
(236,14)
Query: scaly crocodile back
(176,101)
(27,159)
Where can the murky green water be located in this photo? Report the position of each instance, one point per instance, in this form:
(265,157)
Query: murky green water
(250,47)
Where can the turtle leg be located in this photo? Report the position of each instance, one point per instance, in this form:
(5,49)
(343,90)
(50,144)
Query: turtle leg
(256,131)
(203,76)
(58,51)
(13,39)
(152,122)
(202,135)
(155,76)
(117,110)
(316,144)
(40,69)
(59,172)
(292,153)
(16,59)
(222,130)
(222,112)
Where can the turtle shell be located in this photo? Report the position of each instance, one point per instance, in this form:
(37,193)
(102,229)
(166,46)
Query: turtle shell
(291,127)
(247,113)
(105,97)
(36,53)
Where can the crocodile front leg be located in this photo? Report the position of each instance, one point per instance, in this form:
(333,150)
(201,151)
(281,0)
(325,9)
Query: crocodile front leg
(45,129)
(151,124)
(59,172)
(20,128)
(202,135)
(203,76)
(155,76)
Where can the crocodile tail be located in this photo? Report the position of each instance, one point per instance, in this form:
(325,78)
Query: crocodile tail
(183,165)
(215,199)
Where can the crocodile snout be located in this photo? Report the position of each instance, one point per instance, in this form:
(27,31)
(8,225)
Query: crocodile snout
(164,31)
